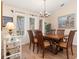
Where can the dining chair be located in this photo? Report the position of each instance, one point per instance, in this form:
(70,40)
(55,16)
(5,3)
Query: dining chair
(60,31)
(53,31)
(41,42)
(33,40)
(68,43)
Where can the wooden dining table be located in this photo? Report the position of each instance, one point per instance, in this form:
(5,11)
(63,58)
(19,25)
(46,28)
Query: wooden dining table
(55,39)
(56,36)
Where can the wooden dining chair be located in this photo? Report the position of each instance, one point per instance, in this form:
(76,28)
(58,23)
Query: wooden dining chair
(33,40)
(53,31)
(68,43)
(41,42)
(60,31)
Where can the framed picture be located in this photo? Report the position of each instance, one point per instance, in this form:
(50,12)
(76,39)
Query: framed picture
(6,19)
(67,21)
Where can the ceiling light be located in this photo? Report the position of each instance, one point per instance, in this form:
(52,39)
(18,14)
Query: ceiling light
(44,13)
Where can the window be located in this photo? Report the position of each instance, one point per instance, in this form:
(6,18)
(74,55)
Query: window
(20,25)
(32,24)
(40,24)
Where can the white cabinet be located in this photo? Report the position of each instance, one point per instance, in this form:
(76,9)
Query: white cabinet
(12,48)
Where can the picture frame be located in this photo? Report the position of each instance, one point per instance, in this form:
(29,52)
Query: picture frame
(67,21)
(6,19)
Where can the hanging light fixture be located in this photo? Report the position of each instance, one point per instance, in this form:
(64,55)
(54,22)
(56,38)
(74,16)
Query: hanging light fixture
(44,13)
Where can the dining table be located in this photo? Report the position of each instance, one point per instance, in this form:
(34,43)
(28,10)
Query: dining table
(54,38)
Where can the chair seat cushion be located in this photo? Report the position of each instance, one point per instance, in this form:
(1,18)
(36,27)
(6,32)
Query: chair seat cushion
(35,40)
(63,44)
(46,43)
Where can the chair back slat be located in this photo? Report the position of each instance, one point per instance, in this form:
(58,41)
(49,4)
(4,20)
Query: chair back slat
(31,37)
(70,38)
(53,31)
(39,37)
(60,32)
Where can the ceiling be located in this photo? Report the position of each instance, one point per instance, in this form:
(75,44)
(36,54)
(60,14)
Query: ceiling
(36,5)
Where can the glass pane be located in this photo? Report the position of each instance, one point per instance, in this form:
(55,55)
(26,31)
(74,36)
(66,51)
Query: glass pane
(40,25)
(32,23)
(20,25)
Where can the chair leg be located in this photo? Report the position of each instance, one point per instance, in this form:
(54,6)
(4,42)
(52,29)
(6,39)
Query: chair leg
(67,53)
(33,47)
(43,52)
(56,50)
(37,48)
(72,50)
(30,46)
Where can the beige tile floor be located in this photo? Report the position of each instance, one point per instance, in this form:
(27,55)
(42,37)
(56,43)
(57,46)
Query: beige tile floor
(29,54)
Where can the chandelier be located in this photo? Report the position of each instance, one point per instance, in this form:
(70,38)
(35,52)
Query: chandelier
(44,13)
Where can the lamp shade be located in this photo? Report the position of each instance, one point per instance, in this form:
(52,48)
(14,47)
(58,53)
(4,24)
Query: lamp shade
(10,26)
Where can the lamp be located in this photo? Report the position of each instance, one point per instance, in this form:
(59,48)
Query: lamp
(10,26)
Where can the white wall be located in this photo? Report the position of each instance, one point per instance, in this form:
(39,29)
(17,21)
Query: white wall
(21,12)
(65,10)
